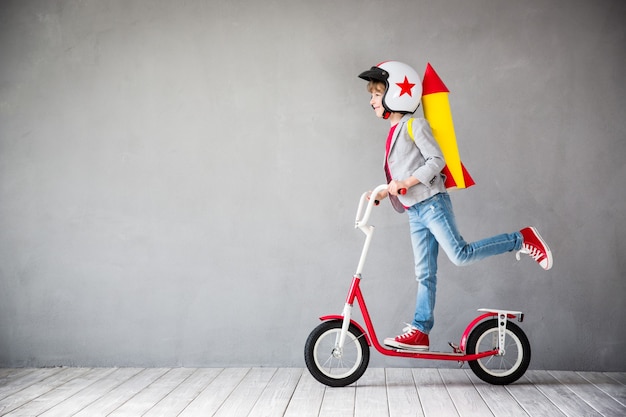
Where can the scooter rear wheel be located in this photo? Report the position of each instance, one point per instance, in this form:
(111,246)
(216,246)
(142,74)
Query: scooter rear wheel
(333,366)
(499,369)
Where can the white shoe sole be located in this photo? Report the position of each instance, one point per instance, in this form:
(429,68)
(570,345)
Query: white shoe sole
(398,345)
(548,260)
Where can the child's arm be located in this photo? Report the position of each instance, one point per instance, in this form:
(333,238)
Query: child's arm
(396,185)
(428,146)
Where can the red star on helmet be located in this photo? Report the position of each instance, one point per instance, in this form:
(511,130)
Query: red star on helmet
(405,87)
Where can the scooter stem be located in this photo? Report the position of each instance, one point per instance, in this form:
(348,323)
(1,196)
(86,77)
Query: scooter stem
(361,223)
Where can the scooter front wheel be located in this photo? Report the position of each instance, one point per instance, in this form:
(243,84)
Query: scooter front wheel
(499,369)
(330,364)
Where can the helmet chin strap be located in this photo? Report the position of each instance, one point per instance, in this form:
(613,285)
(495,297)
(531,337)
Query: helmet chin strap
(386,113)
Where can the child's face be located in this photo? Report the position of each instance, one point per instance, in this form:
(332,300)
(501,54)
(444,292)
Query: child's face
(377,102)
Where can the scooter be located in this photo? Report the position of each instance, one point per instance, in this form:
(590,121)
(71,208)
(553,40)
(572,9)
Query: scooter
(337,351)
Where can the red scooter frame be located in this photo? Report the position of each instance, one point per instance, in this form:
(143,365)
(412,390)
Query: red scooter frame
(459,355)
(337,351)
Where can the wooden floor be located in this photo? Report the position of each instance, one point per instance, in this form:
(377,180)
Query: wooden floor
(293,392)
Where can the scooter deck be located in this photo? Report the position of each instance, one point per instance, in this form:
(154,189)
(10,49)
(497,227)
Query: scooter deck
(456,351)
(429,352)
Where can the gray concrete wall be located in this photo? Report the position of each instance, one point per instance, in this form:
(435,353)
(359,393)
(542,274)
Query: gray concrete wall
(178,180)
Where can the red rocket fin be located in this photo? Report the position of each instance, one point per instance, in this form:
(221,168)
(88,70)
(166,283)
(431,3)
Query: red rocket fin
(451,183)
(469,181)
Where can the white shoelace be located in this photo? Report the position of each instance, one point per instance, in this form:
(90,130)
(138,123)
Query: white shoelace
(407,330)
(531,251)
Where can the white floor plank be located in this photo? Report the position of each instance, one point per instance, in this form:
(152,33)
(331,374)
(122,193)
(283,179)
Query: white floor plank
(466,399)
(90,394)
(532,400)
(152,394)
(4,372)
(31,392)
(617,376)
(591,394)
(287,392)
(184,394)
(276,395)
(338,402)
(19,379)
(371,394)
(56,396)
(434,397)
(498,399)
(306,400)
(607,384)
(402,394)
(118,396)
(562,397)
(214,395)
(245,395)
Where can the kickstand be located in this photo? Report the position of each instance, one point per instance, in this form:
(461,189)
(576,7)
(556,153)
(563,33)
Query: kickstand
(456,349)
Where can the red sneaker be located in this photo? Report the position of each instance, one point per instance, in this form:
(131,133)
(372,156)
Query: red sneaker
(412,339)
(535,247)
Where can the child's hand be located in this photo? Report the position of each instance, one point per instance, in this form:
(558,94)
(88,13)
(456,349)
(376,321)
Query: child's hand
(381,196)
(395,186)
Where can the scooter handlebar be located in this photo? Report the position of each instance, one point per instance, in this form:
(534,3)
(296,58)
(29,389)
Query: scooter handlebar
(363,217)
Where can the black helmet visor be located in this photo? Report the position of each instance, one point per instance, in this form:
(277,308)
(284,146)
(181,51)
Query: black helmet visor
(375,74)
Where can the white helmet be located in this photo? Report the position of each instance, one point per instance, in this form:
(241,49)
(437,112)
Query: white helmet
(403,91)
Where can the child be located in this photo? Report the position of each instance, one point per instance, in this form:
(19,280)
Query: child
(415,165)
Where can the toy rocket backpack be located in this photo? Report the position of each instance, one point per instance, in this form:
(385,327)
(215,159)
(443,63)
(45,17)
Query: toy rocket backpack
(436,109)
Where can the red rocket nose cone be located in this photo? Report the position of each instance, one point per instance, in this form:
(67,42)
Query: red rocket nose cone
(432,83)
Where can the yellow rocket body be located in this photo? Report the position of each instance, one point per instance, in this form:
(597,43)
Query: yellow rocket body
(436,107)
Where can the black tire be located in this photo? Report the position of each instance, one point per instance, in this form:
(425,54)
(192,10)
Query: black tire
(499,369)
(329,366)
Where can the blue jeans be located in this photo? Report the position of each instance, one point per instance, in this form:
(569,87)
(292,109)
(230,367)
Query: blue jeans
(432,225)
